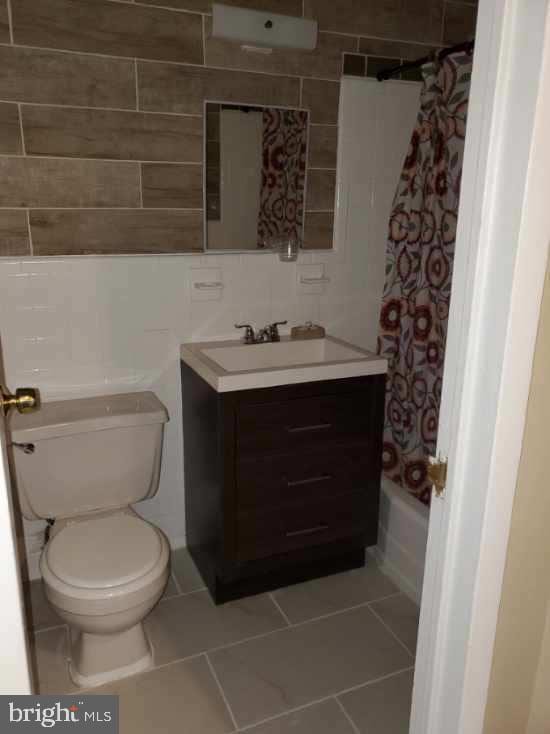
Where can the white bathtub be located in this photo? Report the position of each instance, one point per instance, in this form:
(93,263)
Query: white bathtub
(402,537)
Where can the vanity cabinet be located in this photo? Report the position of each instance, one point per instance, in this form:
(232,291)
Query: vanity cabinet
(282,483)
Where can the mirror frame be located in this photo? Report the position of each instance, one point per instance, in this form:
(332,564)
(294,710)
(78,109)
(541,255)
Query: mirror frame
(257,251)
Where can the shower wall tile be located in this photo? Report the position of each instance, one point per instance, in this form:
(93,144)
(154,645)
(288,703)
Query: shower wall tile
(394,49)
(171,88)
(321,98)
(320,190)
(318,230)
(460,22)
(47,182)
(79,133)
(376,64)
(10,129)
(416,20)
(323,141)
(114,232)
(14,235)
(354,64)
(4,22)
(171,186)
(101,26)
(286,7)
(52,77)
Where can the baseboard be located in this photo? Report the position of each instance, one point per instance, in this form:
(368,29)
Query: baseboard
(404,584)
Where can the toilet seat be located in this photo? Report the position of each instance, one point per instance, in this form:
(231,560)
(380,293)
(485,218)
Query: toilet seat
(105,565)
(100,553)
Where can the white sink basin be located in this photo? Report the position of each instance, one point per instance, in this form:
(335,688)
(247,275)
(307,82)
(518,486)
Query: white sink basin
(233,365)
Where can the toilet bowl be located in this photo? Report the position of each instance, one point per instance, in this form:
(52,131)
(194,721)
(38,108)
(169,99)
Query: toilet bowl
(104,568)
(103,575)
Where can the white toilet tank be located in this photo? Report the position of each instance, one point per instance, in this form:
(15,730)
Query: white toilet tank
(89,454)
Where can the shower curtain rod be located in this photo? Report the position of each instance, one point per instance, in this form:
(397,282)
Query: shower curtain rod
(467,46)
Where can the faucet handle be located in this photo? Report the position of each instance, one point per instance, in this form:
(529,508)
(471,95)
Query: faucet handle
(249,337)
(274,330)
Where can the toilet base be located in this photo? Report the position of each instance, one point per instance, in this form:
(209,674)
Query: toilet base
(98,659)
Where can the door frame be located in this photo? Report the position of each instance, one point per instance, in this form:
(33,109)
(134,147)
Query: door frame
(500,264)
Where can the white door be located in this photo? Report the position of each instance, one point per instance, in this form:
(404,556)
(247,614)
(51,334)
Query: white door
(15,669)
(500,261)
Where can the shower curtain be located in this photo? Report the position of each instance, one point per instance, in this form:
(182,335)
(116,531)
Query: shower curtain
(283,174)
(420,250)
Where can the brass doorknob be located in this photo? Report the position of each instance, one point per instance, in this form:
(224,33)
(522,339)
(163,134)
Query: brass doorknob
(26,399)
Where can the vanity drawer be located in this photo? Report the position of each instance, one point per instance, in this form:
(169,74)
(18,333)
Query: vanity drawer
(273,480)
(288,528)
(270,427)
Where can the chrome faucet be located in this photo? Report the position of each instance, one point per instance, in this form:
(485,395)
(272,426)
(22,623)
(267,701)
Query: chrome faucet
(269,333)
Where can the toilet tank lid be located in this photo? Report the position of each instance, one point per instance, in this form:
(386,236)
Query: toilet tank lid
(82,415)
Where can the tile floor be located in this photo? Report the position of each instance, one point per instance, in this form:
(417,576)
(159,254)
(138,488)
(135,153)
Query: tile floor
(331,656)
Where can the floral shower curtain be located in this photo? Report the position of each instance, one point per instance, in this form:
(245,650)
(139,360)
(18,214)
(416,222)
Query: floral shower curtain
(283,174)
(420,251)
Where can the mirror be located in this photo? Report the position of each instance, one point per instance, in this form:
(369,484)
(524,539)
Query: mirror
(255,174)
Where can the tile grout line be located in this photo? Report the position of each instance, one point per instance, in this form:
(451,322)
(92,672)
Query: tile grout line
(176,582)
(393,634)
(272,632)
(136,82)
(133,111)
(222,692)
(34,631)
(29,231)
(324,699)
(292,625)
(348,716)
(24,155)
(100,108)
(10,21)
(203,39)
(75,159)
(52,49)
(150,209)
(169,62)
(20,115)
(276,603)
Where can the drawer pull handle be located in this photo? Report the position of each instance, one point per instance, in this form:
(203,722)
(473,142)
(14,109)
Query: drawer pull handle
(310,480)
(314,427)
(306,531)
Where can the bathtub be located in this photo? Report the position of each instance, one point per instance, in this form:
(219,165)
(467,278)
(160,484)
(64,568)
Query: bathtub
(402,538)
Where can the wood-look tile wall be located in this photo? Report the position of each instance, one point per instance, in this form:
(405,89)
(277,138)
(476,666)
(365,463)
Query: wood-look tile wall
(101,110)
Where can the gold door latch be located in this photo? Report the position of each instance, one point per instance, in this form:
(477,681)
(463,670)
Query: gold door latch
(437,474)
(25,399)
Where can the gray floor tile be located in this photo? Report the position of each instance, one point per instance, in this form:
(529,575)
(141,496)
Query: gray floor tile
(41,611)
(383,707)
(401,615)
(171,589)
(182,698)
(334,593)
(50,652)
(185,571)
(293,667)
(189,624)
(321,718)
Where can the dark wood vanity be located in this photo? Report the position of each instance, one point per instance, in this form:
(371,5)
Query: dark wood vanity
(281,483)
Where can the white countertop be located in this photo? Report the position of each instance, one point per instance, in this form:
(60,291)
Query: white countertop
(233,365)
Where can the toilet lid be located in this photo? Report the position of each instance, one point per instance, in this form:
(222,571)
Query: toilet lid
(104,552)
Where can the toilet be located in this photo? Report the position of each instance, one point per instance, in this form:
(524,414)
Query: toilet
(81,464)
